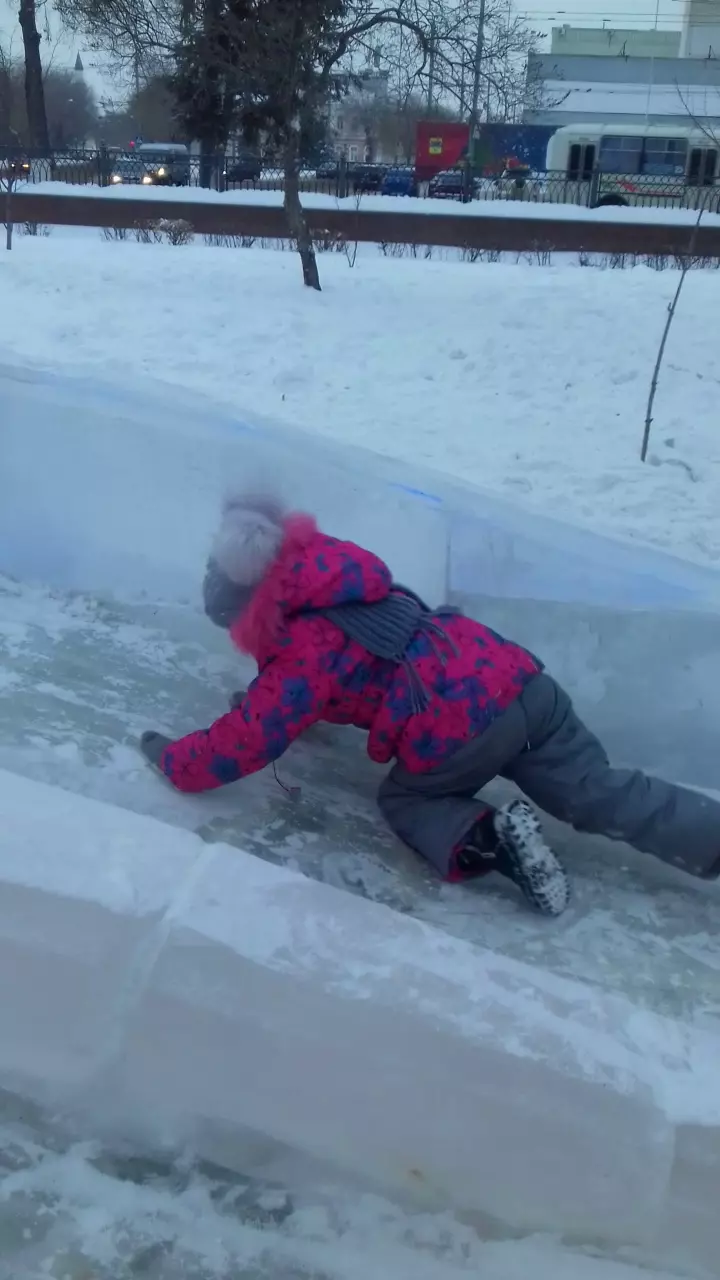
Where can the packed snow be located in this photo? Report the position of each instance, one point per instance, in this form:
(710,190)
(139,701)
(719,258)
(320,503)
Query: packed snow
(488,207)
(82,1212)
(528,382)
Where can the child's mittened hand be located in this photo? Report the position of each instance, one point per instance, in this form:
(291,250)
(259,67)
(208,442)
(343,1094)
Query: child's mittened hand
(152,745)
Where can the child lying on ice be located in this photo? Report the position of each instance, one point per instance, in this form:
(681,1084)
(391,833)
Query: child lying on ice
(452,703)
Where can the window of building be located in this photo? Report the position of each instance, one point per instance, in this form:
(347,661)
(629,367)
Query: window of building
(352,153)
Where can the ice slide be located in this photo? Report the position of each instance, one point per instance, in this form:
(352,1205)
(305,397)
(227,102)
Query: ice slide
(146,949)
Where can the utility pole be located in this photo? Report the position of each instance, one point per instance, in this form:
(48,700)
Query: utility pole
(431,69)
(475,102)
(477,72)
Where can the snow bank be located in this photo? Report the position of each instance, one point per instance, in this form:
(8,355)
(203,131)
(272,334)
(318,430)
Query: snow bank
(490,208)
(530,383)
(115,489)
(195,990)
(118,490)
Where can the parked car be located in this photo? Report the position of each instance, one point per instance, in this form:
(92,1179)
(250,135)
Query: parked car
(154,164)
(365,179)
(399,181)
(519,183)
(246,167)
(450,184)
(328,169)
(15,168)
(126,169)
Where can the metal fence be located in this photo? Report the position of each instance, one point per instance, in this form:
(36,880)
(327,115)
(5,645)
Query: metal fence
(343,180)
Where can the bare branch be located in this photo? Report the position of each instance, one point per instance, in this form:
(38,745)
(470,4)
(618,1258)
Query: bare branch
(672,308)
(709,133)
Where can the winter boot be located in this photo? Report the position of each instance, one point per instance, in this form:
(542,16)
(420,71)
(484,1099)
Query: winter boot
(510,840)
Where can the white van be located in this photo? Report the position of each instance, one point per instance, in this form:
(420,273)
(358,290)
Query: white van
(154,164)
(634,164)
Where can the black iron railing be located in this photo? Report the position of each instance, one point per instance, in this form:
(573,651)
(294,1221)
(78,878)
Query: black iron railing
(347,180)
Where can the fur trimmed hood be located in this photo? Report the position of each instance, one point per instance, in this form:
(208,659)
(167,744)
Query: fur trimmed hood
(310,571)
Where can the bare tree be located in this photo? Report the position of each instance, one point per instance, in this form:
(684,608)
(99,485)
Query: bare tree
(703,199)
(70,107)
(8,165)
(72,113)
(271,68)
(8,177)
(687,262)
(152,111)
(481,43)
(390,125)
(34,88)
(141,35)
(265,67)
(8,122)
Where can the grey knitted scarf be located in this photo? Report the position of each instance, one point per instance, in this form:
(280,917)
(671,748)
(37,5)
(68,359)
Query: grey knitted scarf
(386,628)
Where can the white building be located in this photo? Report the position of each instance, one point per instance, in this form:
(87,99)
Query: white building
(701,29)
(354,116)
(626,76)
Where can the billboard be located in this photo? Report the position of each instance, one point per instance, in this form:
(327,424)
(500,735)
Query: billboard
(443,144)
(440,144)
(507,146)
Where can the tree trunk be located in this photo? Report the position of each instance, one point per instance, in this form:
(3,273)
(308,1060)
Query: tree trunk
(295,214)
(34,89)
(207,160)
(9,213)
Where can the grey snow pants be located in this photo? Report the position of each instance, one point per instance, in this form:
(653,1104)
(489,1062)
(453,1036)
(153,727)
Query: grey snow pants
(540,744)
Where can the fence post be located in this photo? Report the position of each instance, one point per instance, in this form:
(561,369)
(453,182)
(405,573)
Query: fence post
(342,168)
(594,189)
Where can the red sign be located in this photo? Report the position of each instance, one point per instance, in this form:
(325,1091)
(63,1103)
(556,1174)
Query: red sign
(440,144)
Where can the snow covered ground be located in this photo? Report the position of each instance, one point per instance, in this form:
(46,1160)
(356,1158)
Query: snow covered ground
(480,208)
(528,382)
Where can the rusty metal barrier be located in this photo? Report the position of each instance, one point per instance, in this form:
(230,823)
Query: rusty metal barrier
(493,232)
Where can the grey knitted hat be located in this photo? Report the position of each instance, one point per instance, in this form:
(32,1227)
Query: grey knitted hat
(249,538)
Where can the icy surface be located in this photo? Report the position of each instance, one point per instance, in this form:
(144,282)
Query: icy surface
(81,1211)
(79,680)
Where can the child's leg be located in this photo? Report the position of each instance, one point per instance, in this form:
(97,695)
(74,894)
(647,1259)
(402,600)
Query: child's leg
(437,814)
(564,770)
(434,812)
(435,826)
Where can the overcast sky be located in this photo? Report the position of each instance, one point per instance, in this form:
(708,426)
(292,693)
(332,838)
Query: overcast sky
(543,14)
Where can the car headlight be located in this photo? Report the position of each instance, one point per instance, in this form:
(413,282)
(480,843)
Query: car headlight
(116,178)
(147,180)
(161,173)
